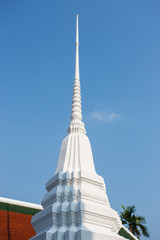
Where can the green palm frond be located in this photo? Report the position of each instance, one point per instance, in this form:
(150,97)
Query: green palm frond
(141,219)
(134,223)
(144,230)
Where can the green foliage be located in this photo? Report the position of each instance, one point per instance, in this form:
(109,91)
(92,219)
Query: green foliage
(134,223)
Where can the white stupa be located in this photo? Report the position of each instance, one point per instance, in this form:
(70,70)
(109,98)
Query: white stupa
(76,206)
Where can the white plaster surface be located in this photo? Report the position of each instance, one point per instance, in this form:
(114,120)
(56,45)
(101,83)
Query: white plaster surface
(76,154)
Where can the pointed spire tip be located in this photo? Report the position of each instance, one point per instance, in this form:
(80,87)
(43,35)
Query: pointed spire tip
(76,124)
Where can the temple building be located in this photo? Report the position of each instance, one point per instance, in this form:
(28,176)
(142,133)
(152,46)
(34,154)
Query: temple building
(76,205)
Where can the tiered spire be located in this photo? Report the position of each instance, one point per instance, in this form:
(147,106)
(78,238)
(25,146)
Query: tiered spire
(76,206)
(76,123)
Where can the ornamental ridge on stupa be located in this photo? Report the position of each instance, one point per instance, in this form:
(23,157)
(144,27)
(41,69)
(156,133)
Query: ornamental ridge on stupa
(76,206)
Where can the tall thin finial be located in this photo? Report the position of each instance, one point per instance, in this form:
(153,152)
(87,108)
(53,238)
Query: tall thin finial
(77,50)
(76,123)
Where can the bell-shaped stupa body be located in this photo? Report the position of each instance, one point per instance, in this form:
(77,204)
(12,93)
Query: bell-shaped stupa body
(76,205)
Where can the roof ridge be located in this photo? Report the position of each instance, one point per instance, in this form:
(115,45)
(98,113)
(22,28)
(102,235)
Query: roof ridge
(20,203)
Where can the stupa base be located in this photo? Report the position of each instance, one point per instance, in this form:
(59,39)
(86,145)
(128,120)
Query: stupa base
(77,235)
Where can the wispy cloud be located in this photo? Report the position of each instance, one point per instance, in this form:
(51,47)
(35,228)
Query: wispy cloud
(106,117)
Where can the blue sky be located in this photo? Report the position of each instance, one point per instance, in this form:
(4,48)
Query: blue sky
(119,71)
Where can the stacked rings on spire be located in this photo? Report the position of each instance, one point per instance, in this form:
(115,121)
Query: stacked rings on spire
(76,102)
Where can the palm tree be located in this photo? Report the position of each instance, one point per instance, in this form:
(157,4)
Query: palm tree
(134,223)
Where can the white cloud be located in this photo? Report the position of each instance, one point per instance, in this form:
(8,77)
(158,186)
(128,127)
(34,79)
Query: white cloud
(106,117)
